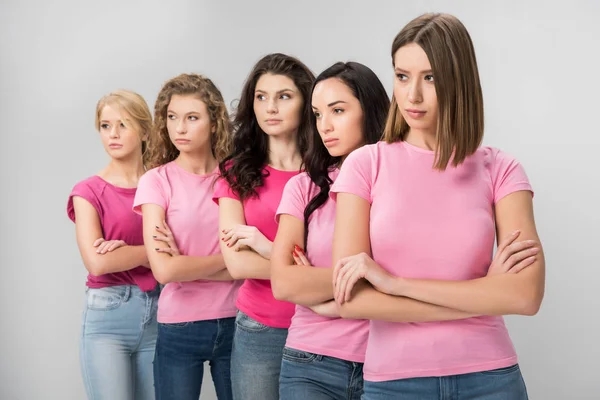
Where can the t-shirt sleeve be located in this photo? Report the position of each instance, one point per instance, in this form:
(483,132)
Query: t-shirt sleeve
(85,190)
(222,189)
(151,190)
(356,175)
(293,202)
(508,176)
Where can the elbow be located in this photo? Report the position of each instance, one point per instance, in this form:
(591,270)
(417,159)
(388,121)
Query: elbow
(234,272)
(95,267)
(280,290)
(531,303)
(162,275)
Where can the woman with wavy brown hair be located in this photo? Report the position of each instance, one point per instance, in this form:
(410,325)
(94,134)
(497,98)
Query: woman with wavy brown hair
(272,125)
(196,308)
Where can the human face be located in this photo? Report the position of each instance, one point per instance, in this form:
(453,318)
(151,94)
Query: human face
(339,117)
(189,124)
(119,135)
(414,89)
(277,105)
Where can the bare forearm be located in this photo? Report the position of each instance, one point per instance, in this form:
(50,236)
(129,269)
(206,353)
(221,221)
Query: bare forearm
(246,264)
(187,268)
(122,259)
(222,275)
(368,303)
(491,295)
(304,285)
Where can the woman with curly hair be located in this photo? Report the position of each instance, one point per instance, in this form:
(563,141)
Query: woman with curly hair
(119,319)
(197,306)
(271,128)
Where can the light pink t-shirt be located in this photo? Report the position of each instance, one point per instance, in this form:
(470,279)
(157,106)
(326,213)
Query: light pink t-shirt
(113,205)
(335,337)
(194,220)
(255,297)
(432,225)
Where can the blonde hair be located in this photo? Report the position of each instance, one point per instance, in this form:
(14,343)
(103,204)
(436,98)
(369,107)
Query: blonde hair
(160,148)
(450,51)
(135,113)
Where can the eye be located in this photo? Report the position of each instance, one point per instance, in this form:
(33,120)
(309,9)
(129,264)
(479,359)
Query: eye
(338,110)
(104,126)
(193,118)
(317,114)
(429,78)
(171,116)
(123,125)
(260,97)
(285,96)
(401,77)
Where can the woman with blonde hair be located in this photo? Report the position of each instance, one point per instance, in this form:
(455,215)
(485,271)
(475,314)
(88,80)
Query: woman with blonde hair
(119,321)
(197,305)
(416,217)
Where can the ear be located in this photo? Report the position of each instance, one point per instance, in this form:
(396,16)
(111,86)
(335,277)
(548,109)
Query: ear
(213,128)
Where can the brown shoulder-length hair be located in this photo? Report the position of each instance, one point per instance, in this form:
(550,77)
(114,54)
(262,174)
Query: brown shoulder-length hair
(135,114)
(160,148)
(450,51)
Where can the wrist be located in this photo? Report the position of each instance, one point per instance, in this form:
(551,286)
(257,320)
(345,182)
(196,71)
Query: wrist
(399,286)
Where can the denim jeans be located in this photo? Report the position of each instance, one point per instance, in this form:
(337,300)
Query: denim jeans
(256,359)
(312,376)
(181,351)
(498,384)
(117,343)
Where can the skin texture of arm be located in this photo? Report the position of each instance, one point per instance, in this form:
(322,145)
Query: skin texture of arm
(245,263)
(88,229)
(167,268)
(299,284)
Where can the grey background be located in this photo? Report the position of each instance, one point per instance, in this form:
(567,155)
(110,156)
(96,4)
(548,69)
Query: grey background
(538,62)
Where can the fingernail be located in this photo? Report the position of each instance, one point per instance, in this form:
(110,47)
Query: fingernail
(297,248)
(515,232)
(223,239)
(154,236)
(294,253)
(228,244)
(156,226)
(156,248)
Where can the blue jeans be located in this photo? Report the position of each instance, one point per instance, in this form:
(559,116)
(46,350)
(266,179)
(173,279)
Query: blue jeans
(498,384)
(182,349)
(256,359)
(306,375)
(117,343)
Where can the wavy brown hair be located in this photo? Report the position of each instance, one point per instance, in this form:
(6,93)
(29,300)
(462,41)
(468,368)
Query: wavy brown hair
(137,114)
(450,51)
(244,167)
(160,148)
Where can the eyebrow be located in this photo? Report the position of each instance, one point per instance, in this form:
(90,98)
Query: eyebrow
(188,113)
(331,104)
(279,91)
(427,71)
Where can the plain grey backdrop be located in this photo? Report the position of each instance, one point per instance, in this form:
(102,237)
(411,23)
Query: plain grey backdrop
(538,63)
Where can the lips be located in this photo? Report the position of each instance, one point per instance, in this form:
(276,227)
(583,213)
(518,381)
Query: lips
(182,141)
(330,141)
(273,121)
(416,114)
(115,145)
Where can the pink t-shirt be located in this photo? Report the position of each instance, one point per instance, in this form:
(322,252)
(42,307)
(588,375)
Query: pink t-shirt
(113,205)
(432,225)
(335,337)
(256,297)
(194,220)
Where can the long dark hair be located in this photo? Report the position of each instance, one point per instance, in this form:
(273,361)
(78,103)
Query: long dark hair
(243,168)
(375,103)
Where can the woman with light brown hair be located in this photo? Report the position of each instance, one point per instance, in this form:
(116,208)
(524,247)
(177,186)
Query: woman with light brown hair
(416,218)
(197,305)
(119,320)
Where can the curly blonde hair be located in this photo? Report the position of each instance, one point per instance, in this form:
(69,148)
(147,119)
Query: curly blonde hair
(160,148)
(136,112)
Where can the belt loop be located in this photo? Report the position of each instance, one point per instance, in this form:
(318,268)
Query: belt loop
(127,294)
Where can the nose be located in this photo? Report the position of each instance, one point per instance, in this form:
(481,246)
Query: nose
(114,131)
(180,128)
(325,124)
(415,94)
(272,106)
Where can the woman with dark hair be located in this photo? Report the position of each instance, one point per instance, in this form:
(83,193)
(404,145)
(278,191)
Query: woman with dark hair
(271,129)
(416,217)
(324,354)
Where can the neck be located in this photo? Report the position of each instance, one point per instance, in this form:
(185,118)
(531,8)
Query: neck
(283,153)
(123,173)
(202,163)
(424,139)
